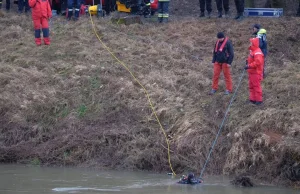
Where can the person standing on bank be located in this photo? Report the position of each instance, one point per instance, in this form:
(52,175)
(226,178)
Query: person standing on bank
(204,3)
(41,13)
(76,4)
(255,66)
(298,12)
(23,4)
(261,33)
(163,11)
(240,5)
(222,4)
(7,5)
(222,58)
(108,6)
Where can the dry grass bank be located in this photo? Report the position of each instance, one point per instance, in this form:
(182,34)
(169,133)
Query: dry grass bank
(71,103)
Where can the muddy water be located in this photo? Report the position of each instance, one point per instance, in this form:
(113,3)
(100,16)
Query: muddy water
(15,179)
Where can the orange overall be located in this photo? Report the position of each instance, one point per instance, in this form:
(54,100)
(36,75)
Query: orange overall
(41,13)
(222,59)
(255,71)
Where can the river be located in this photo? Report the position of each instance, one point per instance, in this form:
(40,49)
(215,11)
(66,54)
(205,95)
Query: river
(15,179)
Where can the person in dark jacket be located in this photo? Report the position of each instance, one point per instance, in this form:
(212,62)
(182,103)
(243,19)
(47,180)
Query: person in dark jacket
(202,7)
(222,58)
(220,5)
(240,5)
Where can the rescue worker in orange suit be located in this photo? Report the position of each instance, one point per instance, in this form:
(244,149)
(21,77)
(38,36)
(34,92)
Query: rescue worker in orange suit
(254,66)
(222,58)
(163,10)
(41,13)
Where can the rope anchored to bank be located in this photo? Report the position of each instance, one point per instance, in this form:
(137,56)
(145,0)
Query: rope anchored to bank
(222,124)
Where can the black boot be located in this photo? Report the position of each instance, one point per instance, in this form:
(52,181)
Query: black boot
(220,14)
(160,19)
(252,101)
(226,14)
(70,13)
(209,14)
(202,15)
(239,16)
(76,14)
(258,103)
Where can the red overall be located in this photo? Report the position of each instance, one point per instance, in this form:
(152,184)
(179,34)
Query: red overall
(41,13)
(218,67)
(255,70)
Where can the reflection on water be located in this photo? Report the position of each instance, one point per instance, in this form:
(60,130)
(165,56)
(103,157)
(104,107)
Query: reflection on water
(16,179)
(82,189)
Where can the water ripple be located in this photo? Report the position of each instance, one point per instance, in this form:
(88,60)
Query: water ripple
(82,189)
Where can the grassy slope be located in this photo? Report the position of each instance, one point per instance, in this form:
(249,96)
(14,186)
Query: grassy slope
(71,103)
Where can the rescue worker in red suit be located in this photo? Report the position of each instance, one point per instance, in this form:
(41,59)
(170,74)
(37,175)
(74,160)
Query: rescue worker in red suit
(222,59)
(41,13)
(255,65)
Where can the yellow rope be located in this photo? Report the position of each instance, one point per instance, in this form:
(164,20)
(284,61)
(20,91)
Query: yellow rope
(145,91)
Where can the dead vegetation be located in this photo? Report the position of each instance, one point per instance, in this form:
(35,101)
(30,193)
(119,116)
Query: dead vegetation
(71,103)
(242,181)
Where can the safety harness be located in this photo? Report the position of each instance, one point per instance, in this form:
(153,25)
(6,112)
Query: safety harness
(222,46)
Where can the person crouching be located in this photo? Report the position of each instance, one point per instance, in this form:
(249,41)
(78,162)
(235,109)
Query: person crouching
(41,13)
(255,65)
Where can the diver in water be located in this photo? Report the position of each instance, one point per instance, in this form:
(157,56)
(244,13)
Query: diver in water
(189,179)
